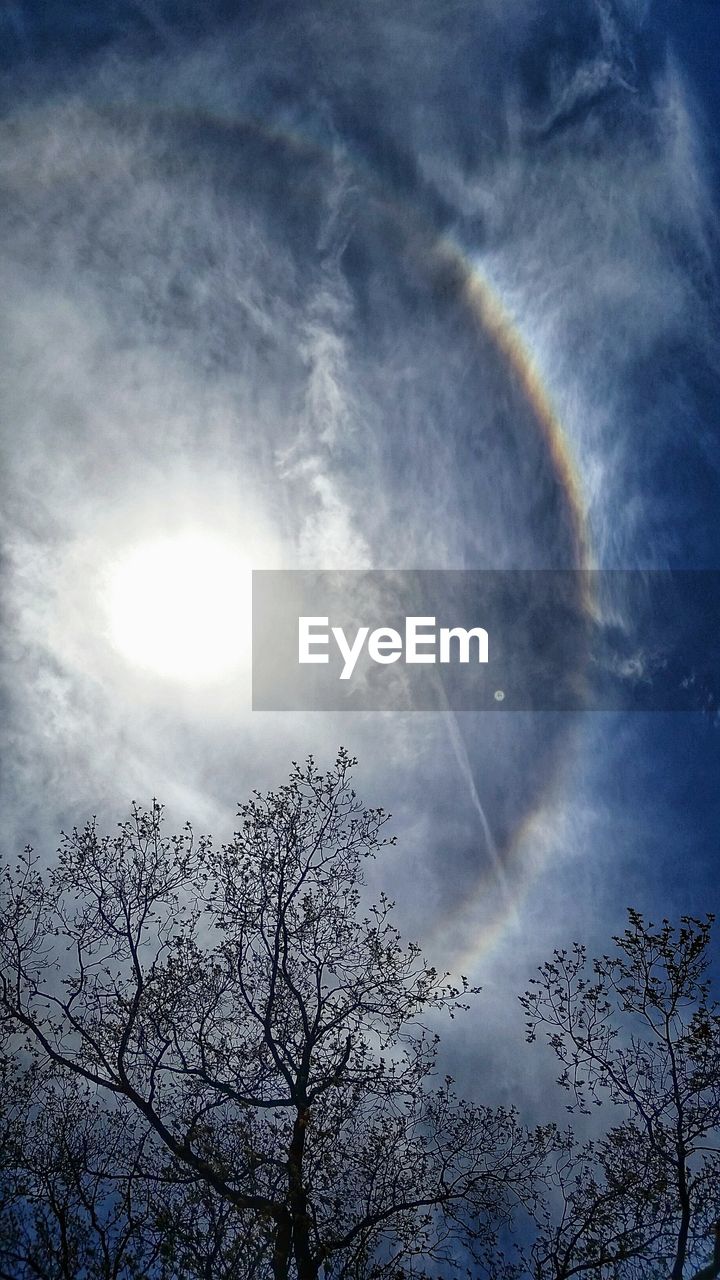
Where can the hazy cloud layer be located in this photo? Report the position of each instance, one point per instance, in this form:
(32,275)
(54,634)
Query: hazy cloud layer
(226,306)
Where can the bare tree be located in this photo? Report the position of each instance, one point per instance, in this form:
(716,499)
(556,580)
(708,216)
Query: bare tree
(269,1034)
(87,1193)
(72,1206)
(712,1270)
(601,1211)
(638,1029)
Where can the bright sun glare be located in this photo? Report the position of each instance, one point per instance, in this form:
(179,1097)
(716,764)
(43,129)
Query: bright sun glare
(180,607)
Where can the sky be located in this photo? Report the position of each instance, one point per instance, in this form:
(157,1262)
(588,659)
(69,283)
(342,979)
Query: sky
(349,286)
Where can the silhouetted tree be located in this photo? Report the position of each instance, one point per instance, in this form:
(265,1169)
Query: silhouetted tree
(600,1210)
(260,1046)
(712,1270)
(637,1029)
(66,1212)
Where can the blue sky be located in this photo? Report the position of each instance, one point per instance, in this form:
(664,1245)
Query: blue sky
(225,310)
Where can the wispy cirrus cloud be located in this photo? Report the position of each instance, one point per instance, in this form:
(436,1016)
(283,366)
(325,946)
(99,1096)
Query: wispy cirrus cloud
(222,307)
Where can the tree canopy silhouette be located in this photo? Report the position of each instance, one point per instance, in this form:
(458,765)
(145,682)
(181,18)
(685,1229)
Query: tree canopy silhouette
(223,1065)
(639,1029)
(258,1040)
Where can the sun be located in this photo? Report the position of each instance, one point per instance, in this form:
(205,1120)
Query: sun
(180,607)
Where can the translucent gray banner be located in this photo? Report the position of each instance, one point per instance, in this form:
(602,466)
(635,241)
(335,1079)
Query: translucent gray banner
(522,640)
